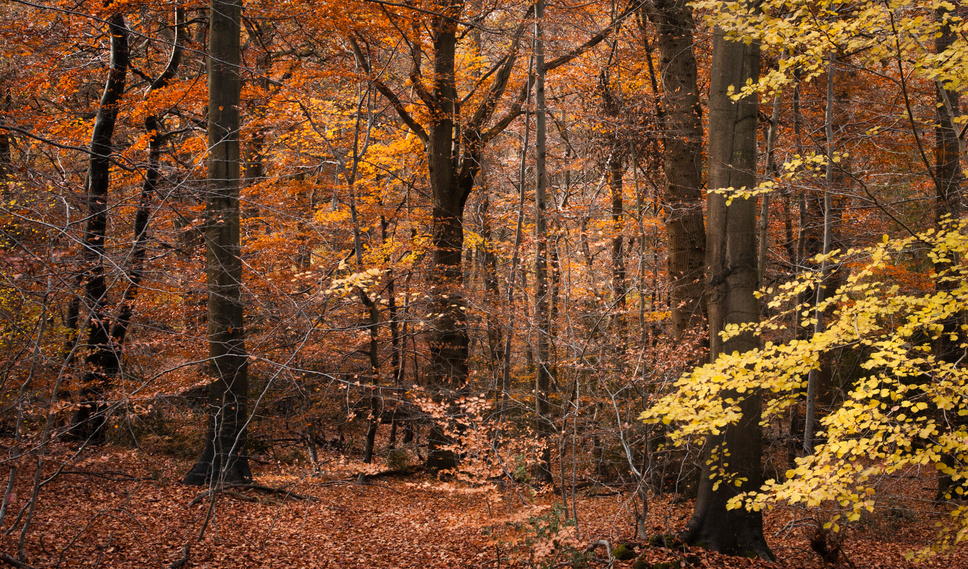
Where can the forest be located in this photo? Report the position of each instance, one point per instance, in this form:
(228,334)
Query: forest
(483,283)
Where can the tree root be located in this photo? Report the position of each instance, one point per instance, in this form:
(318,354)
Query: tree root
(230,490)
(14,562)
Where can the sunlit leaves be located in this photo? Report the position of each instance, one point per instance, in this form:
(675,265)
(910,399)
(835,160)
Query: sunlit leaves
(901,410)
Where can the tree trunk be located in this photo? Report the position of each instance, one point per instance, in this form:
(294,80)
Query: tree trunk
(771,172)
(448,339)
(223,459)
(102,362)
(947,176)
(731,284)
(148,188)
(513,273)
(814,377)
(6,163)
(454,142)
(487,258)
(616,172)
(542,385)
(682,162)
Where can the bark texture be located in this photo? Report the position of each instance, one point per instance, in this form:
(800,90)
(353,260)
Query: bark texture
(682,161)
(223,459)
(734,456)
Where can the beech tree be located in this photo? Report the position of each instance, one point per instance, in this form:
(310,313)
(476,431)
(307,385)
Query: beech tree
(223,458)
(367,129)
(732,456)
(901,409)
(454,140)
(99,353)
(682,160)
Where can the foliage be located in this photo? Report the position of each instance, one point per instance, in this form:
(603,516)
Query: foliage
(546,540)
(332,168)
(906,407)
(808,31)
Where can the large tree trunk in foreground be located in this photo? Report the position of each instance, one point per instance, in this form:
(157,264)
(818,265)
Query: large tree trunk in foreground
(731,282)
(448,338)
(223,459)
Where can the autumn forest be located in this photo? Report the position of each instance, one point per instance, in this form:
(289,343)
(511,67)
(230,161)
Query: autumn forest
(483,283)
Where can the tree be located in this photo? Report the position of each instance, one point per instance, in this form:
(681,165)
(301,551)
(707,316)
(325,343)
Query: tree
(542,386)
(948,179)
(139,247)
(454,140)
(732,462)
(101,356)
(454,144)
(223,458)
(682,161)
(900,411)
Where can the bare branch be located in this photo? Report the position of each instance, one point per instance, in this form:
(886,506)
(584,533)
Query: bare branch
(388,93)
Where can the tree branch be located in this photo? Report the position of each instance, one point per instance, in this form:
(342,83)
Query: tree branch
(596,39)
(486,109)
(388,93)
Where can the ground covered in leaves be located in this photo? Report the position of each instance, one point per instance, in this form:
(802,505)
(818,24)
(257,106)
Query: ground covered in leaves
(114,507)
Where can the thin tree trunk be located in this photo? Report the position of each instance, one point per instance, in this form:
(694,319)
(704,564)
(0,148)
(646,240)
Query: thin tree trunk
(812,377)
(6,162)
(396,355)
(488,262)
(616,173)
(771,171)
(373,326)
(148,189)
(542,386)
(513,273)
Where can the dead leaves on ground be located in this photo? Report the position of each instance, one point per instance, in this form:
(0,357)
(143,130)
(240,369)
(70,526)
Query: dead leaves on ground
(116,508)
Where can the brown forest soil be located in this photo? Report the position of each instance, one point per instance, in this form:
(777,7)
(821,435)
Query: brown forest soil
(116,507)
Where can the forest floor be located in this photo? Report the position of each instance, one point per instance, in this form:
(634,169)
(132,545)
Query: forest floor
(115,507)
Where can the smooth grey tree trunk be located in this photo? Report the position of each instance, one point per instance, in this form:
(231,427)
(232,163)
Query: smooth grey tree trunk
(223,459)
(731,280)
